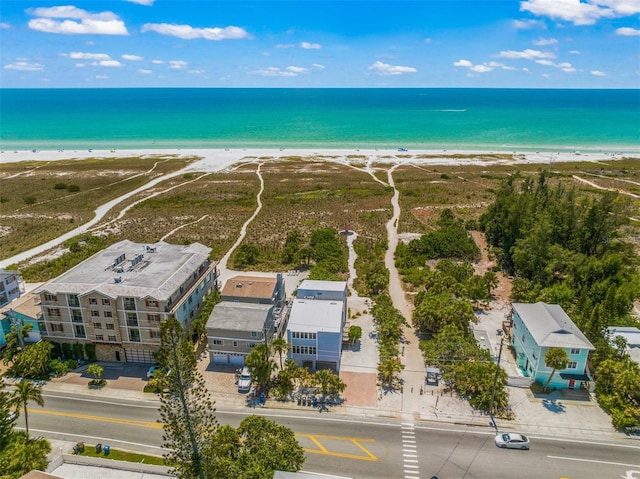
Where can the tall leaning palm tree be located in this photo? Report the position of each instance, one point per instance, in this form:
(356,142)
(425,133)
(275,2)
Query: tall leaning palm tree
(280,346)
(27,391)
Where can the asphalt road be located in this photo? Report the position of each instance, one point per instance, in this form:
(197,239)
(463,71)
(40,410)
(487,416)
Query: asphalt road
(352,447)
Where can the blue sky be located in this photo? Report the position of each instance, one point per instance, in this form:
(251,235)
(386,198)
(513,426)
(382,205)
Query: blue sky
(321,43)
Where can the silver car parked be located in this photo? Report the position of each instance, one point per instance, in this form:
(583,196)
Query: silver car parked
(512,440)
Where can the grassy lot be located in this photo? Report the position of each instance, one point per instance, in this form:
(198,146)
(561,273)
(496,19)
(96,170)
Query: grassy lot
(300,194)
(117,455)
(42,200)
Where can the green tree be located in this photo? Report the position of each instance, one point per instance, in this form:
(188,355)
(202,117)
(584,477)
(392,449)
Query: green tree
(280,346)
(555,358)
(24,392)
(186,407)
(355,333)
(22,455)
(291,247)
(255,450)
(96,371)
(7,416)
(329,382)
(247,255)
(388,371)
(33,362)
(260,364)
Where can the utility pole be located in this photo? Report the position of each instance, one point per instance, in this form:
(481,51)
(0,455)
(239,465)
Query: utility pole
(495,381)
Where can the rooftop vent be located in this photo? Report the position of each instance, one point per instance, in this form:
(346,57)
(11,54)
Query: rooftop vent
(151,249)
(118,260)
(117,279)
(239,285)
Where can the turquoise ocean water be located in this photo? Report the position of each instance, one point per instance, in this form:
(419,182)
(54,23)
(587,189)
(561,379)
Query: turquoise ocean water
(476,119)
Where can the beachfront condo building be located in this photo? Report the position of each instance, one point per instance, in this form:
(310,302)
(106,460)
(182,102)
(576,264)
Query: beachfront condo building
(11,286)
(118,298)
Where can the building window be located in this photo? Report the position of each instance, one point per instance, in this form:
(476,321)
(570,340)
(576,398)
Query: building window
(130,304)
(105,302)
(110,326)
(152,303)
(154,334)
(572,365)
(235,344)
(522,338)
(254,334)
(95,313)
(307,350)
(53,312)
(57,328)
(251,345)
(97,325)
(190,299)
(153,318)
(132,319)
(575,351)
(218,342)
(99,337)
(112,339)
(93,301)
(51,298)
(134,335)
(108,314)
(73,300)
(79,330)
(76,315)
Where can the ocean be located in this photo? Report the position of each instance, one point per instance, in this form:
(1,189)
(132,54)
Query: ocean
(472,119)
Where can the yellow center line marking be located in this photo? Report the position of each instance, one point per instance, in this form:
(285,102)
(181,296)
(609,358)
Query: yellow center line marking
(317,443)
(363,449)
(130,422)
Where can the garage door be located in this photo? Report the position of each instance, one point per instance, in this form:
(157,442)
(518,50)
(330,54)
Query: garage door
(236,359)
(138,356)
(220,358)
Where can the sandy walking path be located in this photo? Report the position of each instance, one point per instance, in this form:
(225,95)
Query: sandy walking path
(415,371)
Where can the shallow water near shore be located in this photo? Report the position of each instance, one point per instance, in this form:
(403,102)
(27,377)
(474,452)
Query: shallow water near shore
(471,119)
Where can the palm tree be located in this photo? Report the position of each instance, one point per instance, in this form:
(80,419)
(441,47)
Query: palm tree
(27,391)
(556,358)
(280,346)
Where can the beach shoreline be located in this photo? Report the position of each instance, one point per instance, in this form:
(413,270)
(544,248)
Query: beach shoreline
(217,159)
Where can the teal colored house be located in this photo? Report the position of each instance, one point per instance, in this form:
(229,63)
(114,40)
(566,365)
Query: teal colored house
(22,311)
(538,327)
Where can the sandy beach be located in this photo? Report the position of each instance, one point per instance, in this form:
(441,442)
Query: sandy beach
(218,159)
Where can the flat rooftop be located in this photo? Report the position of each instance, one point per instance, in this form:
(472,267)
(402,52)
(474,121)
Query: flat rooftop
(236,316)
(319,285)
(314,315)
(132,269)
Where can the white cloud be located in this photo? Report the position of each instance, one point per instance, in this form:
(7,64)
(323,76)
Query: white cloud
(102,77)
(80,65)
(144,71)
(4,25)
(86,56)
(474,68)
(310,46)
(527,54)
(463,63)
(575,52)
(528,24)
(187,32)
(107,63)
(146,3)
(564,66)
(157,62)
(25,66)
(294,69)
(285,45)
(427,40)
(542,42)
(386,69)
(318,66)
(628,31)
(131,58)
(598,73)
(274,72)
(581,13)
(177,64)
(196,72)
(76,21)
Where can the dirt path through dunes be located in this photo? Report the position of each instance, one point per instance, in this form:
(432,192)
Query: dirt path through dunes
(415,371)
(502,292)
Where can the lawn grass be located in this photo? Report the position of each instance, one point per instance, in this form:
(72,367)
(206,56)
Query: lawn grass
(118,455)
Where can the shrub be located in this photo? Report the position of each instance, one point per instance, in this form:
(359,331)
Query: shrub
(71,364)
(58,368)
(537,388)
(29,200)
(73,188)
(60,186)
(90,351)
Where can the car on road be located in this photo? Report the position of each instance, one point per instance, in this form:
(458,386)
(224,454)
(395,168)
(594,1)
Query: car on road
(512,440)
(154,368)
(244,381)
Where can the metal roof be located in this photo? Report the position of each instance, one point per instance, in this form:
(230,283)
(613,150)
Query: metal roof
(319,285)
(132,269)
(550,326)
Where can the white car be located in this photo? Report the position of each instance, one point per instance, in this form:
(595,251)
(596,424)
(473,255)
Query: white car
(244,381)
(512,440)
